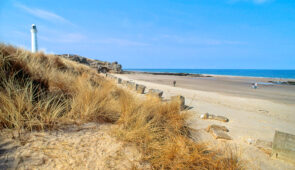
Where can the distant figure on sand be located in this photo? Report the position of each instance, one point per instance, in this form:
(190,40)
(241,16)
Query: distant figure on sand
(254,85)
(174,83)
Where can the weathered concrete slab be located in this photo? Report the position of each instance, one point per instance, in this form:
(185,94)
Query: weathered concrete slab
(180,100)
(140,88)
(155,92)
(219,134)
(217,127)
(283,146)
(214,117)
(119,81)
(131,85)
(220,118)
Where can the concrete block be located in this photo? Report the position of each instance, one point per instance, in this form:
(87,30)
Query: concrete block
(220,118)
(119,81)
(217,127)
(283,146)
(131,85)
(214,117)
(140,88)
(155,92)
(219,134)
(180,100)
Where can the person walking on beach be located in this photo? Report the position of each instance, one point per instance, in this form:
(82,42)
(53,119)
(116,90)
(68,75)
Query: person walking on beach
(174,83)
(254,85)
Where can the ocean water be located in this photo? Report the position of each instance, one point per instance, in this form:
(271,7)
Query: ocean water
(289,74)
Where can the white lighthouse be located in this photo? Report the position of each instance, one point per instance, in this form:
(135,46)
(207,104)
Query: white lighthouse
(34,38)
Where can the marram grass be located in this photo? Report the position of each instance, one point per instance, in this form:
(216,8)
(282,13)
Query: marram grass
(45,92)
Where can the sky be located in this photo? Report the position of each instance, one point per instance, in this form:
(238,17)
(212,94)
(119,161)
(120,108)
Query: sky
(191,34)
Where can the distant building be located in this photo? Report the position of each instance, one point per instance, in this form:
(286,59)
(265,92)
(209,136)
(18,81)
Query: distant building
(34,42)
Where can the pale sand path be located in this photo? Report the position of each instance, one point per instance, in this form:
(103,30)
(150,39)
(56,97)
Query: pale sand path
(250,117)
(89,146)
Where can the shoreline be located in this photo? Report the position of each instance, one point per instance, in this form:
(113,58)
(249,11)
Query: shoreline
(226,85)
(202,75)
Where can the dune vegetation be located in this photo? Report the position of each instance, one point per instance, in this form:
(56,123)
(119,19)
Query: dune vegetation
(45,92)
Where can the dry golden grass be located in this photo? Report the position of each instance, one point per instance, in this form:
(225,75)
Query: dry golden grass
(160,130)
(39,91)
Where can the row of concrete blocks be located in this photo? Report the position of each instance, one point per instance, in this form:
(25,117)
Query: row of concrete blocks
(152,92)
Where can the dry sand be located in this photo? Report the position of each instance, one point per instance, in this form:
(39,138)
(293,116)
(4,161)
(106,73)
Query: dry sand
(89,146)
(254,114)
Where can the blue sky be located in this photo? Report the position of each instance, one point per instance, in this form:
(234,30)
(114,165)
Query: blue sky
(239,34)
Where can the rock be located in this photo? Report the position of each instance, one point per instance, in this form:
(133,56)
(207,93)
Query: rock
(204,116)
(214,117)
(155,92)
(217,127)
(220,118)
(180,100)
(102,67)
(219,134)
(116,67)
(140,88)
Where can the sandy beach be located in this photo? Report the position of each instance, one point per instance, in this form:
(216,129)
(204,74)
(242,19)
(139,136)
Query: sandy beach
(254,114)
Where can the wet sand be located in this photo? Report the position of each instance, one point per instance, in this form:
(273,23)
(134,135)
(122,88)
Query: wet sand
(228,85)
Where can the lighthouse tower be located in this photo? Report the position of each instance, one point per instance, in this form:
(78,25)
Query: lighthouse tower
(34,38)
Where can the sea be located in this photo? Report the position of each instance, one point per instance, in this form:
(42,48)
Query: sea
(287,74)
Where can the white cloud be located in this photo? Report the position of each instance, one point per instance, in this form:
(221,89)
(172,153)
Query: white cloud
(43,14)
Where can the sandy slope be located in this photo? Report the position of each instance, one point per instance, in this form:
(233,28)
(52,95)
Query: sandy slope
(251,114)
(76,147)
